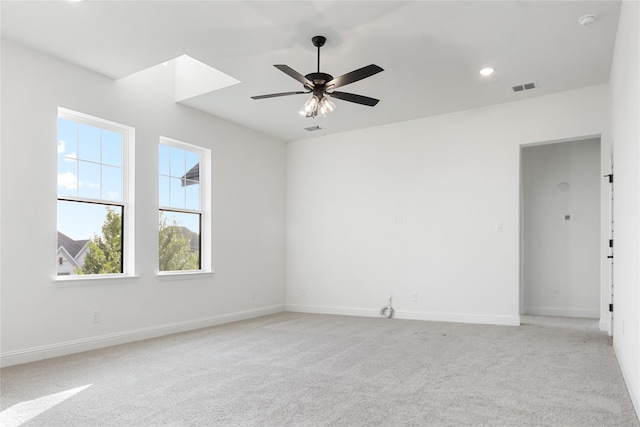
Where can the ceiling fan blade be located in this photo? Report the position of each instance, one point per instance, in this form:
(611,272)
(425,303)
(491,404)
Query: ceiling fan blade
(354,76)
(296,75)
(352,97)
(274,95)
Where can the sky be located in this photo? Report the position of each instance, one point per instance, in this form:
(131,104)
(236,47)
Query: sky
(90,167)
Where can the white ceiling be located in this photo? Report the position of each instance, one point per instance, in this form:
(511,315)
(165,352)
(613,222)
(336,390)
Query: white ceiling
(431,51)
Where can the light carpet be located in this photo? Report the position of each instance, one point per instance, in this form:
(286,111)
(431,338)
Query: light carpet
(293,369)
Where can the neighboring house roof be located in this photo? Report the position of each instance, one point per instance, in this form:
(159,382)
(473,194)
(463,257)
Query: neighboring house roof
(192,176)
(72,247)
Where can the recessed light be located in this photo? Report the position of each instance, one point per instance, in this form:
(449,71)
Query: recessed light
(487,71)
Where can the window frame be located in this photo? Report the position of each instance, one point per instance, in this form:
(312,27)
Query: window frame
(205,205)
(128,186)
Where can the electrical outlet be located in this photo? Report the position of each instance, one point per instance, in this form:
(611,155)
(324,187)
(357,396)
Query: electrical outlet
(95,317)
(555,294)
(414,297)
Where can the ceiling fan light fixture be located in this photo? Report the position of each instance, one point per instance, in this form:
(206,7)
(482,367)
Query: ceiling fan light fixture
(310,106)
(326,106)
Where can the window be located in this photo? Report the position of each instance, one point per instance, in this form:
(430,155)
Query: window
(184,207)
(95,216)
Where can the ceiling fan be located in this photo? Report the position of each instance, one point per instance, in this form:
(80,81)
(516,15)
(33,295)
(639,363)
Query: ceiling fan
(323,85)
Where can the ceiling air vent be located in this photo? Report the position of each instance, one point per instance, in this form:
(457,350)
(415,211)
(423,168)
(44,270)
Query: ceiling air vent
(313,128)
(525,86)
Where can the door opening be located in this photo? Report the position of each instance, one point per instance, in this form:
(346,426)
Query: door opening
(561,229)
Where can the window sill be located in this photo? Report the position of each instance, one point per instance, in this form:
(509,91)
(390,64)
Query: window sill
(181,275)
(98,279)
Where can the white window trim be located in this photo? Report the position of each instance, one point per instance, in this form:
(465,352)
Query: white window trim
(205,208)
(93,279)
(128,194)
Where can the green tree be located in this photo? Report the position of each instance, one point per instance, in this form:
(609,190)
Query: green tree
(175,247)
(105,251)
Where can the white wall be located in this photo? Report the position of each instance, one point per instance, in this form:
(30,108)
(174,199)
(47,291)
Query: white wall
(451,179)
(625,117)
(39,317)
(561,268)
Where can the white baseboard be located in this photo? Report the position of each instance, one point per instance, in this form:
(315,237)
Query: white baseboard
(324,309)
(604,326)
(76,346)
(633,392)
(481,319)
(409,315)
(583,314)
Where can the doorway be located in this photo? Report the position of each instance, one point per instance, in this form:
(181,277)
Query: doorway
(561,228)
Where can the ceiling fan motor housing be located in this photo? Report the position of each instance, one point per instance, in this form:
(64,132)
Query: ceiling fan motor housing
(319,81)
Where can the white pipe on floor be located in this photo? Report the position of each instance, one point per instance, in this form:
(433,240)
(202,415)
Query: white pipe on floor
(387,310)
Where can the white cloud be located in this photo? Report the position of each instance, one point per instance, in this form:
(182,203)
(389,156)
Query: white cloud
(114,195)
(62,148)
(68,181)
